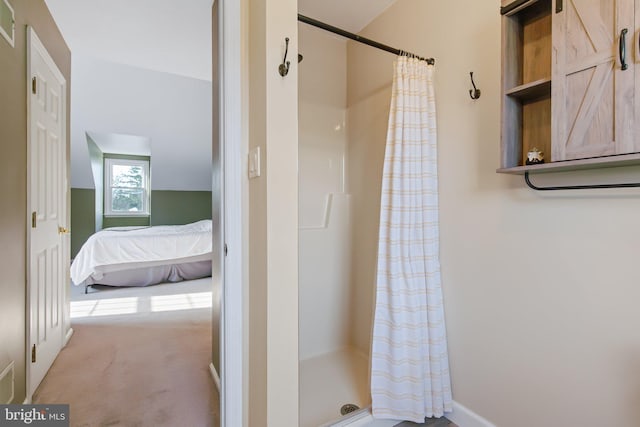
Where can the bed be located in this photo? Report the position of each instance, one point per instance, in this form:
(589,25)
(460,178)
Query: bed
(142,256)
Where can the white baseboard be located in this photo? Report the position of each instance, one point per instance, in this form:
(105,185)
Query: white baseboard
(67,337)
(215,376)
(465,417)
(361,418)
(461,416)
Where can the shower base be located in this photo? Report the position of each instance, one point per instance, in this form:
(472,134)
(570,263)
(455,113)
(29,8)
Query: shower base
(328,382)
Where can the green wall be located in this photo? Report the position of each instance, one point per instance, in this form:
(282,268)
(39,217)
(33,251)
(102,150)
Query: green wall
(179,207)
(83,217)
(167,208)
(124,221)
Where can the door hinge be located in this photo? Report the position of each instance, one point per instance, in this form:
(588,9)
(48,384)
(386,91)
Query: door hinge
(34,219)
(226,251)
(559,6)
(33,354)
(34,85)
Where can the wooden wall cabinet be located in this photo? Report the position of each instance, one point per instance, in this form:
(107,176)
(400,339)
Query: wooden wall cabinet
(570,83)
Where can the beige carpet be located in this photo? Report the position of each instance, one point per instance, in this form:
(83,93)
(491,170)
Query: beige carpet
(129,370)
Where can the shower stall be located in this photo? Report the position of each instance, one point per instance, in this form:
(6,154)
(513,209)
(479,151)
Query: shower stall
(332,371)
(340,173)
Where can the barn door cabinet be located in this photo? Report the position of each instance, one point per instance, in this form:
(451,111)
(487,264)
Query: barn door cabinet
(570,83)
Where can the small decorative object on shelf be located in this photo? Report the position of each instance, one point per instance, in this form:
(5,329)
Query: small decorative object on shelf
(535,157)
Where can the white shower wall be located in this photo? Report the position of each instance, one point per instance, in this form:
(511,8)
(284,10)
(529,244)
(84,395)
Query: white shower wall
(324,208)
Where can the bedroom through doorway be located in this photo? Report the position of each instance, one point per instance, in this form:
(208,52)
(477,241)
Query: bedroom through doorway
(145,209)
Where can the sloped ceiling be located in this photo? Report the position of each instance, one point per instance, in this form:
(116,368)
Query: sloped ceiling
(162,35)
(174,36)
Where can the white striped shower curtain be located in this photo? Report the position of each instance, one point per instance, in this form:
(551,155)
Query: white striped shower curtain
(409,364)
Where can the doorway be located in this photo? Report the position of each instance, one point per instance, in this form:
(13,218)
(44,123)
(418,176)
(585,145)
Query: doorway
(154,169)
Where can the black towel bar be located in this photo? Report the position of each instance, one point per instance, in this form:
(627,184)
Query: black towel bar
(577,187)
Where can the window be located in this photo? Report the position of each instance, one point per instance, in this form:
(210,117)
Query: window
(126,187)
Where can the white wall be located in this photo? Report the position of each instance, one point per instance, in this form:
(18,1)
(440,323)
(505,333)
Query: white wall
(173,111)
(367,116)
(541,290)
(322,121)
(324,209)
(273,216)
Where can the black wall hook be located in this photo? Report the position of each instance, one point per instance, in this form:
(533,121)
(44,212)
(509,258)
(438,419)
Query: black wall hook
(283,69)
(475,92)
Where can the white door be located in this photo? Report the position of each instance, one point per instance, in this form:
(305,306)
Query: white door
(47,206)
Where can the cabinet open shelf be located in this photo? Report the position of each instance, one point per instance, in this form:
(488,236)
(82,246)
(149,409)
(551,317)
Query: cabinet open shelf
(529,91)
(526,81)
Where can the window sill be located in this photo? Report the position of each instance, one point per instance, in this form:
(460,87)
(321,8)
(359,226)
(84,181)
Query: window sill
(140,215)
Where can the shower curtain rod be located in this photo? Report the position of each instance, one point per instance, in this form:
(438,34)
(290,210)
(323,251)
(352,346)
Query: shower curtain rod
(360,39)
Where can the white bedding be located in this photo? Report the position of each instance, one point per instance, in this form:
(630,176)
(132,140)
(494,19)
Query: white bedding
(122,248)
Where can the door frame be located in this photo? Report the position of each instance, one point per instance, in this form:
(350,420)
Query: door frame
(34,41)
(233,140)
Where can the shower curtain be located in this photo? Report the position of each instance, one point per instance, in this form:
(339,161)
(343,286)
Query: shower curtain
(409,362)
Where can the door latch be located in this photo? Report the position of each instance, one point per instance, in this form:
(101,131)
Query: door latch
(33,354)
(34,219)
